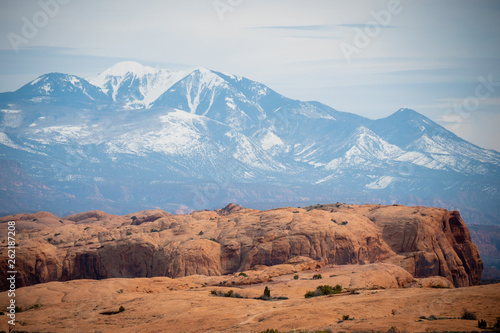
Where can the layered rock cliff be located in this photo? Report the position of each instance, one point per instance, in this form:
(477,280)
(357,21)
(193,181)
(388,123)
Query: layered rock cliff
(95,245)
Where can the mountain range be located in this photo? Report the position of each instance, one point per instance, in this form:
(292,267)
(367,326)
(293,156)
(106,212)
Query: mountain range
(135,137)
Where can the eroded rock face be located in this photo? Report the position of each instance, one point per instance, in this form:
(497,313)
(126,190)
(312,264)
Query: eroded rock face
(94,245)
(429,242)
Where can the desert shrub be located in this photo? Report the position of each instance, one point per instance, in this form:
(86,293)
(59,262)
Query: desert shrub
(267,292)
(334,220)
(230,293)
(345,317)
(50,239)
(86,228)
(317,277)
(481,324)
(266,296)
(57,234)
(324,290)
(214,240)
(242,274)
(343,223)
(295,211)
(18,309)
(128,233)
(110,313)
(439,286)
(155,230)
(35,306)
(468,315)
(270,330)
(200,233)
(295,277)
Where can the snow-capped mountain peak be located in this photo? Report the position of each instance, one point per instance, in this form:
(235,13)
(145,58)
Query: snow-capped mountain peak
(205,126)
(59,87)
(128,67)
(135,85)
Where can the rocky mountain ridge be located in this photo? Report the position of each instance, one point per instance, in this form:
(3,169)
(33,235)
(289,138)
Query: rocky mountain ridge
(128,138)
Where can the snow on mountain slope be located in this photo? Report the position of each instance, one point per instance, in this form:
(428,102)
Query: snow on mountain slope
(58,86)
(380,183)
(135,85)
(206,93)
(6,141)
(363,149)
(250,153)
(133,126)
(177,133)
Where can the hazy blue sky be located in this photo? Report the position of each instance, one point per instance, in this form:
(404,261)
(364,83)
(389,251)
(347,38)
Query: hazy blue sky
(427,55)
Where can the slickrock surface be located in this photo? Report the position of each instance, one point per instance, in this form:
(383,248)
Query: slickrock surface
(425,242)
(186,304)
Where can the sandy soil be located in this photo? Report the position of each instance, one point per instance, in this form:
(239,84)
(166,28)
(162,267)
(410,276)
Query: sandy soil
(162,304)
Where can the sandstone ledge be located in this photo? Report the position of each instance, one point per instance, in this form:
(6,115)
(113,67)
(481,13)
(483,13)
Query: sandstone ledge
(425,242)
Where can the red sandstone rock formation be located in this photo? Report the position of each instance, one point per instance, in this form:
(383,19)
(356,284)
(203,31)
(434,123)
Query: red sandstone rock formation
(95,245)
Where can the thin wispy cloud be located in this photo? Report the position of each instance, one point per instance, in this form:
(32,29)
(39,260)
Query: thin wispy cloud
(324,27)
(366,25)
(297,27)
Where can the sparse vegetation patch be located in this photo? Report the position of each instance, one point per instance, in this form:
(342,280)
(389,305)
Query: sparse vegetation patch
(230,293)
(468,315)
(324,290)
